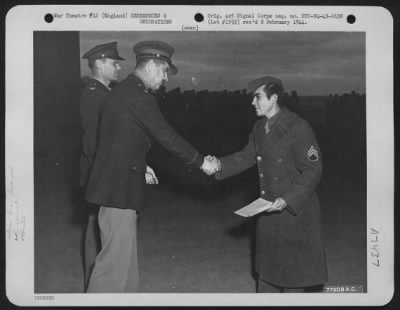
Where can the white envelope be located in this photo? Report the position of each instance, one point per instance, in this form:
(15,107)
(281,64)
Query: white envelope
(254,208)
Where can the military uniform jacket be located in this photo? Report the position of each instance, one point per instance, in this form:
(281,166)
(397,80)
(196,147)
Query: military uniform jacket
(289,248)
(131,118)
(92,101)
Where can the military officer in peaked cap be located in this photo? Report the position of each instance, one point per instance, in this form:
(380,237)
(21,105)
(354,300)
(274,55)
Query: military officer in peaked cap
(103,61)
(131,120)
(289,247)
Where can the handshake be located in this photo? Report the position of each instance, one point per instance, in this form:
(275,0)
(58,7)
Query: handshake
(211,165)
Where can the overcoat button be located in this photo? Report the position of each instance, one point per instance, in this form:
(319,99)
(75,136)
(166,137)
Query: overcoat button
(261,175)
(262,192)
(259,158)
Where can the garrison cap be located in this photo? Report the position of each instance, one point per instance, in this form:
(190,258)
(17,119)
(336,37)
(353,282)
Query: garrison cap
(106,50)
(253,85)
(156,49)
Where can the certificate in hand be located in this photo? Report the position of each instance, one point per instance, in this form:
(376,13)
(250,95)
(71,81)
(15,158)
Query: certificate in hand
(254,208)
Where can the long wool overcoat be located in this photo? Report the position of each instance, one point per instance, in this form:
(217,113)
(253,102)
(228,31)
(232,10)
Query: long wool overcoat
(289,245)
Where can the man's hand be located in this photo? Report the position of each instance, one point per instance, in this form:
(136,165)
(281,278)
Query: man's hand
(150,176)
(278,205)
(211,165)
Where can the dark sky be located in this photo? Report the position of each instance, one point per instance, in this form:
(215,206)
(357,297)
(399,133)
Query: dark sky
(312,63)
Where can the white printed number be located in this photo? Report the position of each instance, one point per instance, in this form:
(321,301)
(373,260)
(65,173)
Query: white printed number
(344,289)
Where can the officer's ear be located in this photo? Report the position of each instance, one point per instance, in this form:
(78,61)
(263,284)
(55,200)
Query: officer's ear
(150,65)
(98,65)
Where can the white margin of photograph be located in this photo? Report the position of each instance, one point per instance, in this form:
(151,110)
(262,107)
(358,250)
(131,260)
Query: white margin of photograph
(21,21)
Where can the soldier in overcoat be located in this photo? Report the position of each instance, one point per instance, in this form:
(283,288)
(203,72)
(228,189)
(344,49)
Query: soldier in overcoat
(289,247)
(131,120)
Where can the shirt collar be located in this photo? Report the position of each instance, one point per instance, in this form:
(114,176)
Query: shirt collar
(271,121)
(140,83)
(98,82)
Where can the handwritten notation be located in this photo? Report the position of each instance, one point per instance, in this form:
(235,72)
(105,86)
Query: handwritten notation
(375,247)
(15,221)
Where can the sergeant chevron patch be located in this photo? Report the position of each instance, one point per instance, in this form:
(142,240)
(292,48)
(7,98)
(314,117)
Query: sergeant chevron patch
(312,154)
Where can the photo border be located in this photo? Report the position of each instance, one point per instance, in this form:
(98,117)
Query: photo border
(19,154)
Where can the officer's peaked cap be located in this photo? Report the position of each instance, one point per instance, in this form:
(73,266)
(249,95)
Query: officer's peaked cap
(106,50)
(158,50)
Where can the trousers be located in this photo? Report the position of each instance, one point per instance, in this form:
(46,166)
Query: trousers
(116,266)
(92,245)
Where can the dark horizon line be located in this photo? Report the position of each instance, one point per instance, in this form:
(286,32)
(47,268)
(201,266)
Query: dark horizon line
(247,92)
(241,91)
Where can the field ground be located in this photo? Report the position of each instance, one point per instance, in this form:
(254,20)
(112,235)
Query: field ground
(189,239)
